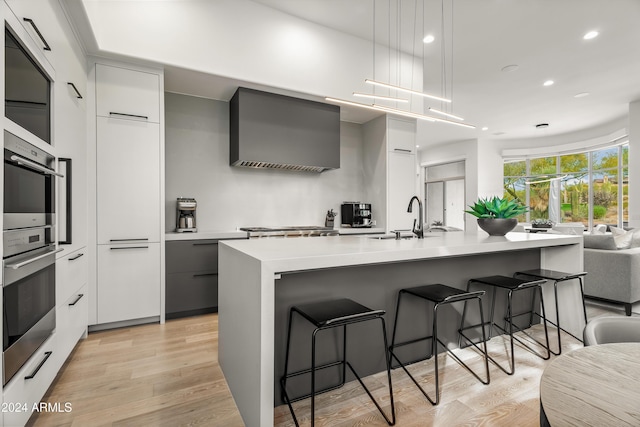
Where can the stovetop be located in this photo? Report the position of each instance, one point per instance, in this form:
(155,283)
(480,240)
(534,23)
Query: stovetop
(290,231)
(286,228)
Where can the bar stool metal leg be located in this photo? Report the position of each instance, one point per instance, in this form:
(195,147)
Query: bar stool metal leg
(509,324)
(435,341)
(343,361)
(558,277)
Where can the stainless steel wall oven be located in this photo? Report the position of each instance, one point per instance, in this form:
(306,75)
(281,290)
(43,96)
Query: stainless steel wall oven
(28,252)
(29,185)
(29,299)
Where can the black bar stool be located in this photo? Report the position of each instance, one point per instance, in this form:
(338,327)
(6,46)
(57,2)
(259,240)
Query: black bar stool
(439,295)
(511,285)
(327,315)
(557,277)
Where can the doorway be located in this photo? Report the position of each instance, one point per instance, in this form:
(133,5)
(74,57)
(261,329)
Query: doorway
(445,195)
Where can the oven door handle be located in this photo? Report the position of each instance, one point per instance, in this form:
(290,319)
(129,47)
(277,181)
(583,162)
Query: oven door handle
(33,165)
(18,265)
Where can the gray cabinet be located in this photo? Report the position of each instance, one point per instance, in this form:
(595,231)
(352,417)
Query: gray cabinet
(192,277)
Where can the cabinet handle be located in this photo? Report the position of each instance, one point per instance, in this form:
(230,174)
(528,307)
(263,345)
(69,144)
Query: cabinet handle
(145,239)
(47,354)
(205,244)
(30,21)
(404,150)
(33,165)
(76,301)
(205,274)
(75,257)
(79,96)
(130,247)
(129,115)
(68,211)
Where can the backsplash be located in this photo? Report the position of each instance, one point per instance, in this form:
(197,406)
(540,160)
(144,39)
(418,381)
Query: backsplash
(197,165)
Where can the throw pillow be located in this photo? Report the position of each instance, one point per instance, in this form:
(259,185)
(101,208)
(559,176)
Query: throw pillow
(622,237)
(600,241)
(635,240)
(599,229)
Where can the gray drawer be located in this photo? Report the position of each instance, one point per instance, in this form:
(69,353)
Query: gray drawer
(191,291)
(191,256)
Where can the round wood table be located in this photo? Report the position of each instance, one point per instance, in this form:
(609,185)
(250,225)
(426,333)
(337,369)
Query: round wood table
(593,386)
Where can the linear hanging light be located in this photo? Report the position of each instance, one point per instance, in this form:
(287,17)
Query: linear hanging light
(382,109)
(386,109)
(385,98)
(453,116)
(401,89)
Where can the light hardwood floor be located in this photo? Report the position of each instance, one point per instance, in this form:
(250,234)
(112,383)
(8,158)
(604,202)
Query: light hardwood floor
(168,375)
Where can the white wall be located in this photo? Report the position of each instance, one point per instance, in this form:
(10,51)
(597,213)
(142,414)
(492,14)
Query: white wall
(197,165)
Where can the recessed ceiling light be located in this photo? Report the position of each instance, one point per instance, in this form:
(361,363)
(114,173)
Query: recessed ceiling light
(581,95)
(417,146)
(542,125)
(510,68)
(548,83)
(428,39)
(590,35)
(485,128)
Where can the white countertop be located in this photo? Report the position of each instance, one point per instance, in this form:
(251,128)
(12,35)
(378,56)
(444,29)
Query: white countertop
(325,252)
(199,235)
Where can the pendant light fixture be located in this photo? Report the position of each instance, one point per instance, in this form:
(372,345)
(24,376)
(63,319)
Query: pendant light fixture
(398,88)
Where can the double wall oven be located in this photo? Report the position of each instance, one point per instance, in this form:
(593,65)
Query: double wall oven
(28,251)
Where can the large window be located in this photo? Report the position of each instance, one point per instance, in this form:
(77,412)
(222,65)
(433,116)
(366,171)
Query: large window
(589,187)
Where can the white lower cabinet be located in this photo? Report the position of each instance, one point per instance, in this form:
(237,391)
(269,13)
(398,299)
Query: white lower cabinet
(28,386)
(71,321)
(128,282)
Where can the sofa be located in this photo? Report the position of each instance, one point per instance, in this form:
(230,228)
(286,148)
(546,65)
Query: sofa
(612,262)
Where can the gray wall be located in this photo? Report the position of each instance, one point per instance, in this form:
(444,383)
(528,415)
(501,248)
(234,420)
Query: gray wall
(197,165)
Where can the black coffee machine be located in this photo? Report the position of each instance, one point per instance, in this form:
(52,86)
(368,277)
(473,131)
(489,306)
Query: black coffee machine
(355,214)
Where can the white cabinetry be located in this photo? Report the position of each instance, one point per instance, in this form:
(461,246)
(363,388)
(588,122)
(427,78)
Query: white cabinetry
(43,29)
(71,301)
(128,167)
(128,282)
(401,177)
(390,170)
(124,93)
(129,195)
(31,382)
(36,22)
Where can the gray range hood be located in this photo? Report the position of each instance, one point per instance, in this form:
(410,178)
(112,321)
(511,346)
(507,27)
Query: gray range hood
(276,131)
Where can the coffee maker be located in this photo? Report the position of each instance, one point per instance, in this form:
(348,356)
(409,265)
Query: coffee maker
(186,215)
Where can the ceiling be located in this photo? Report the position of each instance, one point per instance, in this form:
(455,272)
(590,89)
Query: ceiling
(544,38)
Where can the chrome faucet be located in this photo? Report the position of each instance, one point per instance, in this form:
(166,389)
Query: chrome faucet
(419,232)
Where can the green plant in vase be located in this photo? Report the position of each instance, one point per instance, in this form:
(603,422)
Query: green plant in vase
(497,216)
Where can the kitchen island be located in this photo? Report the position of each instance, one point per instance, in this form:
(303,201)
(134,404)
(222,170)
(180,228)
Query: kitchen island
(260,279)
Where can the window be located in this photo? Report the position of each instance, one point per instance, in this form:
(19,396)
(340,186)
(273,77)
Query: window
(589,187)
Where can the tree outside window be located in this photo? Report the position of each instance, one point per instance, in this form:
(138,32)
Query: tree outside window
(590,185)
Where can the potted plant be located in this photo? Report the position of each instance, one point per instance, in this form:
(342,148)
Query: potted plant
(541,223)
(497,216)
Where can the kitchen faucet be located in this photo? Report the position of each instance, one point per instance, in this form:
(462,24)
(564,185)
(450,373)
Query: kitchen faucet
(419,230)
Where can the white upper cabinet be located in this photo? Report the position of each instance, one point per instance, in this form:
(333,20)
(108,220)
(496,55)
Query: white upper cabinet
(128,180)
(40,20)
(127,94)
(401,134)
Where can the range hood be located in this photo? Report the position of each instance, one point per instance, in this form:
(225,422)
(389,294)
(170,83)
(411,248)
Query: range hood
(268,130)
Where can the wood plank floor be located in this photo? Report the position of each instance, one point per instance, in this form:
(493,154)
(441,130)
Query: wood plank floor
(168,375)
